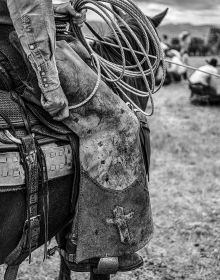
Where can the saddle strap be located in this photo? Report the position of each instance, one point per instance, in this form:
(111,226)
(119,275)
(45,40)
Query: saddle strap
(30,161)
(31,231)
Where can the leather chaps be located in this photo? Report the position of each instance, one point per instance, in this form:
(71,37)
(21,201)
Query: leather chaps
(113,215)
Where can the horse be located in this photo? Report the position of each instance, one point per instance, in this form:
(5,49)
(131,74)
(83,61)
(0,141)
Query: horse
(13,203)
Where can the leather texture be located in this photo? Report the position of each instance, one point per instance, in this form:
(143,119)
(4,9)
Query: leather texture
(113,216)
(96,228)
(58,160)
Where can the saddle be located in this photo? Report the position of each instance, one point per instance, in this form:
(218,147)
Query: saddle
(58,157)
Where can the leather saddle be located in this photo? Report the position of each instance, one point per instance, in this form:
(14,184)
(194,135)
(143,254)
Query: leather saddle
(52,136)
(19,96)
(12,114)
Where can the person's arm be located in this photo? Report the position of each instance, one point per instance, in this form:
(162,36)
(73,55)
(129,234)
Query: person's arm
(66,7)
(34,23)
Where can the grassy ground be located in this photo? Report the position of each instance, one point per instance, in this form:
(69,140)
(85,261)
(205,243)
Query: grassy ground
(185,195)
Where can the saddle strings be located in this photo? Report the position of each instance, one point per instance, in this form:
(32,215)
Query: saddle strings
(114,73)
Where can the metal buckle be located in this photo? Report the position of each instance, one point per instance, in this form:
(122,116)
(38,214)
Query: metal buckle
(32,221)
(31,157)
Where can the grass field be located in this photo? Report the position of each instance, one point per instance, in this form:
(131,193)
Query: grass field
(185,195)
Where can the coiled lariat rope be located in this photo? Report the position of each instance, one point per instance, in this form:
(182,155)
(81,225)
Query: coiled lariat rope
(152,56)
(114,73)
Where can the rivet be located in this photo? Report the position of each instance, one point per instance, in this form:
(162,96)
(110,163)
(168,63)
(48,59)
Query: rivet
(60,153)
(16,173)
(61,165)
(4,173)
(15,159)
(53,167)
(3,159)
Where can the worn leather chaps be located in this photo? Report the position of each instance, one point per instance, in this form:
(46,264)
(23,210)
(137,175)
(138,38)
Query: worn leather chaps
(113,215)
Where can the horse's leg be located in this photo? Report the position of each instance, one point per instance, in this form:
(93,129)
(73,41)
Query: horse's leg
(65,273)
(94,276)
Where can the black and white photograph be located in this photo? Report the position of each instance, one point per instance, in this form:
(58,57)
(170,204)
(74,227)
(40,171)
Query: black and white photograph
(109,140)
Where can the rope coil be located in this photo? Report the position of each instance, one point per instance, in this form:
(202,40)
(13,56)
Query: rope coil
(152,56)
(114,73)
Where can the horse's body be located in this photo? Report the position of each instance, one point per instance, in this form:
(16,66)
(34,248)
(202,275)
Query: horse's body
(13,204)
(13,214)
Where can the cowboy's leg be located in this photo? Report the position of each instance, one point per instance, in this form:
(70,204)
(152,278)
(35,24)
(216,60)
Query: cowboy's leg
(112,123)
(110,158)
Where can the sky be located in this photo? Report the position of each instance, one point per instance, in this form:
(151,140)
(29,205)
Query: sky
(197,12)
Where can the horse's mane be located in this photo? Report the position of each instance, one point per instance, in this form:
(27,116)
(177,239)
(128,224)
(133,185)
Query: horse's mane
(113,54)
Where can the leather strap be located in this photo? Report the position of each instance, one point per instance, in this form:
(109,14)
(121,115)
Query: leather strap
(30,162)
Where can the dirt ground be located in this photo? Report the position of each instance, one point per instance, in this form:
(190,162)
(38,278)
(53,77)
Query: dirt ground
(185,196)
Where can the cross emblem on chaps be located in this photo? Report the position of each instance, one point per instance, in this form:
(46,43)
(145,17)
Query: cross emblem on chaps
(120,220)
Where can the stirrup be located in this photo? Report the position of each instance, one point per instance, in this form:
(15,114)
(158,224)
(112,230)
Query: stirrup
(108,265)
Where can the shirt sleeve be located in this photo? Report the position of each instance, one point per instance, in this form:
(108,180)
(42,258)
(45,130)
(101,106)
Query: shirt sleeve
(34,23)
